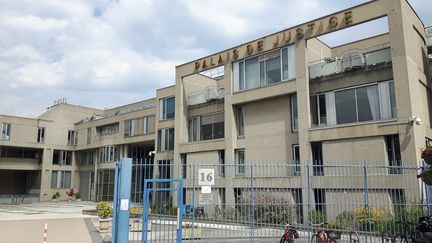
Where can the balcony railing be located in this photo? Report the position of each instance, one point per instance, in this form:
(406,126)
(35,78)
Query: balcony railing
(207,95)
(351,60)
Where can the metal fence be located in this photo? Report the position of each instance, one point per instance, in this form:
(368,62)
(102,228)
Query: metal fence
(252,202)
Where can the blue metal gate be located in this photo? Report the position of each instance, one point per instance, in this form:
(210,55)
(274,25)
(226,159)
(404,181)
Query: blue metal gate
(160,216)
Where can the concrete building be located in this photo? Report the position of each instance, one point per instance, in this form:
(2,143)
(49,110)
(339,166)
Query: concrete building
(284,97)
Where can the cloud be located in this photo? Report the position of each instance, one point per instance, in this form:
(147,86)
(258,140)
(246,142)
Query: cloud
(105,53)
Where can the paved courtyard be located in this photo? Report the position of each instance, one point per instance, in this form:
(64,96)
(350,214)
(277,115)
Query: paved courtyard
(24,223)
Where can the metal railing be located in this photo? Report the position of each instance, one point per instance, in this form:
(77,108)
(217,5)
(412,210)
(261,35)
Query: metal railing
(369,58)
(253,206)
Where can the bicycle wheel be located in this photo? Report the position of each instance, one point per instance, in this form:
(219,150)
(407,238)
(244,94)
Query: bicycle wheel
(402,239)
(315,239)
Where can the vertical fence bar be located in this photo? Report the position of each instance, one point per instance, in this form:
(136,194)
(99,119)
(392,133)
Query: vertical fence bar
(309,220)
(366,201)
(252,211)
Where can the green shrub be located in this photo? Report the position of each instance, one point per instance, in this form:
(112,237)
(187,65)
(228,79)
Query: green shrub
(318,217)
(345,220)
(104,209)
(165,209)
(56,195)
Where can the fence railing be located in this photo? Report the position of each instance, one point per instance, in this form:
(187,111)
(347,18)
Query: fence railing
(254,200)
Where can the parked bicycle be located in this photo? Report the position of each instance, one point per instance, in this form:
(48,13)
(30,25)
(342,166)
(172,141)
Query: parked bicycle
(328,235)
(413,232)
(289,234)
(325,235)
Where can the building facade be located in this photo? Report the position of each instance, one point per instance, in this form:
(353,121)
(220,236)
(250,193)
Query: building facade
(286,97)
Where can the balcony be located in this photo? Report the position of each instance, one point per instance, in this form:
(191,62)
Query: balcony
(351,61)
(207,95)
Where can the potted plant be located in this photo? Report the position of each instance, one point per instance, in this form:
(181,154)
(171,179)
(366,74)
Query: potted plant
(56,197)
(426,176)
(70,194)
(426,154)
(104,211)
(77,197)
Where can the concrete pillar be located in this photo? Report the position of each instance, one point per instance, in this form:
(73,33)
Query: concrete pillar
(45,186)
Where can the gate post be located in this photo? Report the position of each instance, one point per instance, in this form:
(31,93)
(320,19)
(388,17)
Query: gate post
(120,226)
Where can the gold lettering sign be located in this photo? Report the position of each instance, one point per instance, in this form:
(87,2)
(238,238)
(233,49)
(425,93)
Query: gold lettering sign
(285,37)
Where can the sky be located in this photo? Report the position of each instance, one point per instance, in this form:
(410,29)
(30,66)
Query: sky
(107,53)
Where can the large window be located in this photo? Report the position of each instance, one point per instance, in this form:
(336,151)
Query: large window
(86,157)
(317,159)
(41,135)
(72,138)
(166,139)
(62,157)
(265,69)
(139,126)
(108,129)
(366,103)
(109,154)
(105,185)
(240,120)
(5,131)
(166,108)
(60,179)
(240,161)
(206,127)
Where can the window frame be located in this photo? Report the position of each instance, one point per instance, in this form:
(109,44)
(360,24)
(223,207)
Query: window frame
(242,68)
(240,114)
(198,133)
(6,131)
(294,128)
(297,168)
(41,135)
(240,167)
(163,103)
(60,179)
(164,138)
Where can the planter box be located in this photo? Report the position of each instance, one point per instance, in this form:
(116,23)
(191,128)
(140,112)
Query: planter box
(104,225)
(189,233)
(135,225)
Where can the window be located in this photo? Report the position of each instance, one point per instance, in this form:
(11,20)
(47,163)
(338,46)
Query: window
(62,157)
(164,169)
(212,126)
(394,154)
(221,154)
(366,103)
(72,137)
(296,158)
(105,185)
(139,126)
(89,135)
(5,131)
(265,69)
(183,159)
(109,154)
(108,129)
(240,161)
(41,135)
(148,124)
(240,120)
(60,179)
(85,157)
(167,108)
(166,139)
(294,113)
(206,127)
(194,129)
(319,196)
(317,159)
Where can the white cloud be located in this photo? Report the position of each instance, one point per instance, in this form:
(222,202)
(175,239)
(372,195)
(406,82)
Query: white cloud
(105,53)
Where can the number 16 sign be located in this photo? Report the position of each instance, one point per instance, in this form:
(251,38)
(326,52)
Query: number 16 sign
(206,177)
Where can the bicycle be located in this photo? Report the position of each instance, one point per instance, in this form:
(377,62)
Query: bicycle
(410,235)
(289,234)
(326,235)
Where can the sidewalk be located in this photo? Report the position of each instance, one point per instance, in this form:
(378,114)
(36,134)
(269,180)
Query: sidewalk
(59,230)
